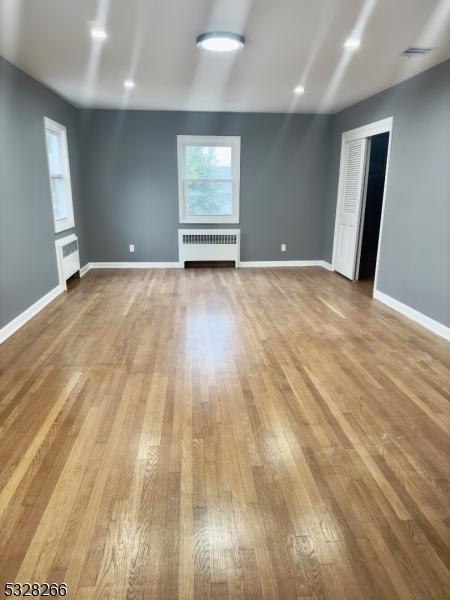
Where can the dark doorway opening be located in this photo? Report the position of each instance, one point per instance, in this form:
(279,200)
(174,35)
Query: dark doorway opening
(371,218)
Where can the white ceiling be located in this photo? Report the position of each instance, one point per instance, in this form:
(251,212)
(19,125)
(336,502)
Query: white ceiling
(289,42)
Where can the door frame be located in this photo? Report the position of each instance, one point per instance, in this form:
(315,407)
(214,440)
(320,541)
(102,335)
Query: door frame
(366,131)
(363,209)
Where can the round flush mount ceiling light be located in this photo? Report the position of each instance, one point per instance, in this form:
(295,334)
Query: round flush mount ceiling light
(352,43)
(128,84)
(98,34)
(299,90)
(220,41)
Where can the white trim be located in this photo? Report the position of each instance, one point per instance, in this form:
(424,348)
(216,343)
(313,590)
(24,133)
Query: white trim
(369,130)
(413,314)
(366,131)
(134,265)
(59,130)
(177,265)
(363,208)
(326,265)
(200,140)
(29,313)
(85,269)
(383,211)
(282,263)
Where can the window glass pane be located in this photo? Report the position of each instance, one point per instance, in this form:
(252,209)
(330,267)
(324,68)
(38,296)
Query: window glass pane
(59,198)
(54,152)
(205,199)
(208,162)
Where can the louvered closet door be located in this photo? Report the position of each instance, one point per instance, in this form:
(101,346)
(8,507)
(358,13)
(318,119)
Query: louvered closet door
(350,206)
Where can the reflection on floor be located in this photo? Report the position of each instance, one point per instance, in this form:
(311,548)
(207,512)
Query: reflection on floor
(249,433)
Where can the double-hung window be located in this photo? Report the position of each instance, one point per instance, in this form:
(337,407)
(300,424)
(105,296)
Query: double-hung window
(208,178)
(59,173)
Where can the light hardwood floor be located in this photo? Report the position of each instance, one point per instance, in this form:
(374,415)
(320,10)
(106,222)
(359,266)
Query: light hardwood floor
(252,433)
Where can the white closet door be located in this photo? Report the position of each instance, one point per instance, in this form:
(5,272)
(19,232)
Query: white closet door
(350,206)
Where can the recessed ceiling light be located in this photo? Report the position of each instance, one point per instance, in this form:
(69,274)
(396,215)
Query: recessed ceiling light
(220,41)
(299,90)
(352,43)
(128,84)
(98,34)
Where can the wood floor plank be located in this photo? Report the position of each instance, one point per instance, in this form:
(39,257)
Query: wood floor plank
(225,433)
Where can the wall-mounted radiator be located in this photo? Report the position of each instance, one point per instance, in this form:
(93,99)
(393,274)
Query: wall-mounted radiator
(200,245)
(67,258)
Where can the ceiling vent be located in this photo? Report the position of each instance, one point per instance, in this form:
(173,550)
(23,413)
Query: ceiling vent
(415,51)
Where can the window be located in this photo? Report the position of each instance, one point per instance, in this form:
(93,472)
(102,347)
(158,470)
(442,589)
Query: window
(208,179)
(59,173)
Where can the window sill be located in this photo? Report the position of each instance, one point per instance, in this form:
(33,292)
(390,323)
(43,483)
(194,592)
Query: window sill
(209,220)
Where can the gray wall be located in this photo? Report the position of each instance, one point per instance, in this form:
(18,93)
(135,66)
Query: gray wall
(131,184)
(28,267)
(414,256)
(289,176)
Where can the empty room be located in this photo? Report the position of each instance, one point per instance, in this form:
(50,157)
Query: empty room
(225,299)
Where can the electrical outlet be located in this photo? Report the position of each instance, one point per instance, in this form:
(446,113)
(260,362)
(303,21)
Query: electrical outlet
(131,247)
(283,247)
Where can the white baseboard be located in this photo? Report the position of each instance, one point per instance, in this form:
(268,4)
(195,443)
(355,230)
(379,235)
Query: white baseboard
(85,269)
(413,314)
(281,263)
(134,265)
(29,313)
(327,265)
(177,265)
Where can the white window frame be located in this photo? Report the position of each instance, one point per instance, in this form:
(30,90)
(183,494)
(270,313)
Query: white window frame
(56,128)
(209,140)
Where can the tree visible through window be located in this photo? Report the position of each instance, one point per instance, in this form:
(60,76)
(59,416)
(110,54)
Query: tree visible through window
(209,180)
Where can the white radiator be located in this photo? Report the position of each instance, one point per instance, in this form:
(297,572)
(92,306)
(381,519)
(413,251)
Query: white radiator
(67,258)
(209,245)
